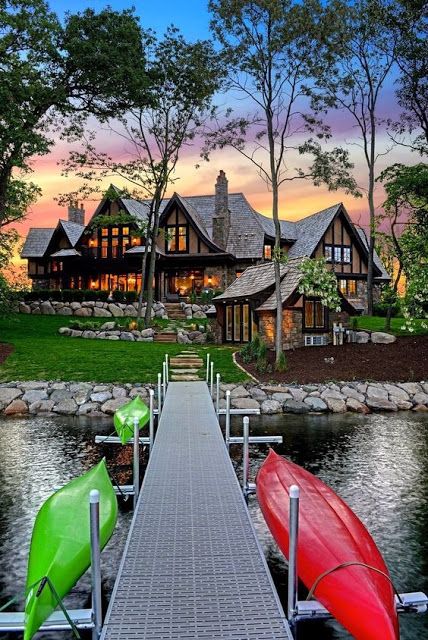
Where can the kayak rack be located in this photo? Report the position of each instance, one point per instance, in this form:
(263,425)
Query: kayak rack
(298,610)
(134,488)
(83,619)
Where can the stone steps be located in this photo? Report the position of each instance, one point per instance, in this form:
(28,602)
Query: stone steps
(185,364)
(165,337)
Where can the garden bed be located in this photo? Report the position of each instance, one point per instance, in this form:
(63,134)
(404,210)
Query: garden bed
(402,361)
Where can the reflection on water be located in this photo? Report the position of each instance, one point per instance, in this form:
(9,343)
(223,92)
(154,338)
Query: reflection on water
(379,465)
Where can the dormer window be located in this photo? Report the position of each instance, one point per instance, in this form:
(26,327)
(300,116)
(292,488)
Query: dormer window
(337,253)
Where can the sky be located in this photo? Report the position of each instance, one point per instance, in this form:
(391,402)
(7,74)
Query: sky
(297,199)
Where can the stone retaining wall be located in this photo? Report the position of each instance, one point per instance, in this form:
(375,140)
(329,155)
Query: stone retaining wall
(84,398)
(89,309)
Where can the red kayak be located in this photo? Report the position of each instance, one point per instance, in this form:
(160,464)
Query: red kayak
(330,534)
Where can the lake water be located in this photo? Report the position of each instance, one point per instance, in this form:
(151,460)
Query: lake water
(378,464)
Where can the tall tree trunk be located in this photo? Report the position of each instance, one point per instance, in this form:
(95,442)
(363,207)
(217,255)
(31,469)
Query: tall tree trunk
(143,282)
(372,225)
(277,270)
(152,263)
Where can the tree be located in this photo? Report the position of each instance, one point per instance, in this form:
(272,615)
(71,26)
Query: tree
(49,73)
(320,281)
(406,206)
(184,78)
(365,52)
(273,48)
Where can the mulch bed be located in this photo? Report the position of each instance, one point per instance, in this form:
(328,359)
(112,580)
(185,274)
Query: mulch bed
(405,360)
(5,351)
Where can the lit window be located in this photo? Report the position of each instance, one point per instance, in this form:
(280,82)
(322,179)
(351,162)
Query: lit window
(328,252)
(104,248)
(342,287)
(267,252)
(347,254)
(104,231)
(114,231)
(125,231)
(338,254)
(352,287)
(176,238)
(182,238)
(238,274)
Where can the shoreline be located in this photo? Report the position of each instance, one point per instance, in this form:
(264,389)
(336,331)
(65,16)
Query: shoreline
(99,400)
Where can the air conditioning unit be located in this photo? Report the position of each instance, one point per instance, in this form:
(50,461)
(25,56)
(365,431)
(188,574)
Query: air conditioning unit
(315,341)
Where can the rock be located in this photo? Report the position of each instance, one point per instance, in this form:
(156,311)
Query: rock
(277,389)
(75,333)
(182,338)
(355,405)
(377,393)
(89,335)
(258,394)
(24,308)
(349,392)
(60,394)
(410,387)
(421,408)
(195,308)
(36,311)
(66,407)
(101,387)
(380,337)
(34,396)
(362,387)
(316,404)
(111,406)
(65,311)
(101,396)
(194,334)
(298,394)
(55,386)
(84,312)
(80,387)
(130,311)
(420,398)
(127,335)
(334,395)
(46,308)
(199,314)
(145,339)
(108,326)
(147,333)
(282,397)
(380,404)
(75,305)
(138,391)
(119,392)
(101,313)
(112,338)
(362,337)
(395,391)
(239,392)
(244,403)
(200,339)
(44,406)
(87,407)
(271,406)
(295,406)
(29,386)
(404,405)
(16,407)
(115,310)
(335,403)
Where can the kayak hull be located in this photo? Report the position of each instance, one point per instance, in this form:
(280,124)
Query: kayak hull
(124,418)
(60,545)
(330,534)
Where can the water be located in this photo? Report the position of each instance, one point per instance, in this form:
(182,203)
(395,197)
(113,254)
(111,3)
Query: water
(378,464)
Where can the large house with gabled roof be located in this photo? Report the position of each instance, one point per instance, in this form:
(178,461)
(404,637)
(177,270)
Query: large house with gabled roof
(205,242)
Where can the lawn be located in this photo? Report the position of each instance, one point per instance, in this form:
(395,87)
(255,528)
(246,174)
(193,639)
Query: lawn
(40,353)
(376,323)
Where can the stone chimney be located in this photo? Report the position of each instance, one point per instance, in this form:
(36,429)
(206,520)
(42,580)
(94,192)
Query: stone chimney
(221,219)
(76,214)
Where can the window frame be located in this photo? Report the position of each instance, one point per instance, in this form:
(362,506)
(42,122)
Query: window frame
(234,312)
(314,329)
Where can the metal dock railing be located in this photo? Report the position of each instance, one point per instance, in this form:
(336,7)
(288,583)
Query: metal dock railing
(192,565)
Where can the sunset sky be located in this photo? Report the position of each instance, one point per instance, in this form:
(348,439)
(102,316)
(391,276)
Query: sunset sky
(298,199)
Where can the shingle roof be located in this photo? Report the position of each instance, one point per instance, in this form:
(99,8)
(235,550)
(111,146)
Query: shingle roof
(136,208)
(65,253)
(310,230)
(36,242)
(288,229)
(289,284)
(253,280)
(72,230)
(376,259)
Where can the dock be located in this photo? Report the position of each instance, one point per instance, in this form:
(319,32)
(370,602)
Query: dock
(192,565)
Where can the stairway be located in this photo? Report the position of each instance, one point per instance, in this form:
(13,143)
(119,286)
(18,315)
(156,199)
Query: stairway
(165,336)
(184,366)
(174,311)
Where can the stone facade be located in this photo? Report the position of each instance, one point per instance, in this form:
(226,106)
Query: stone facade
(291,328)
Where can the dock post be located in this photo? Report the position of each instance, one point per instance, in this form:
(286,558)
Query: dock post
(208,368)
(159,393)
(212,381)
(94,514)
(227,429)
(136,469)
(217,395)
(246,455)
(151,423)
(292,553)
(164,379)
(167,368)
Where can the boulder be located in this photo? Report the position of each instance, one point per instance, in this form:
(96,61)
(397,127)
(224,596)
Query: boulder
(16,407)
(282,397)
(315,404)
(101,313)
(349,392)
(101,396)
(199,314)
(239,392)
(380,404)
(66,407)
(87,407)
(108,326)
(76,333)
(112,338)
(75,305)
(182,338)
(34,396)
(355,405)
(200,339)
(420,408)
(29,386)
(377,393)
(420,398)
(127,335)
(36,311)
(258,394)
(298,394)
(130,311)
(271,406)
(295,406)
(64,331)
(410,387)
(362,337)
(24,308)
(380,337)
(83,312)
(89,335)
(335,401)
(88,303)
(115,310)
(244,403)
(46,308)
(43,406)
(147,333)
(195,308)
(65,311)
(396,391)
(332,394)
(119,392)
(404,405)
(111,406)
(60,394)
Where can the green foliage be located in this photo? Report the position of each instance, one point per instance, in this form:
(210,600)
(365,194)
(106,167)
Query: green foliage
(256,351)
(5,297)
(320,282)
(118,296)
(381,309)
(84,325)
(281,363)
(192,297)
(398,328)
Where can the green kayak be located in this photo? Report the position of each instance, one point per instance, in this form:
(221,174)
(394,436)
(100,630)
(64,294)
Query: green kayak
(60,545)
(125,416)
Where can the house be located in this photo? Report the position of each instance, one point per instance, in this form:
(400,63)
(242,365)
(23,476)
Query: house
(205,242)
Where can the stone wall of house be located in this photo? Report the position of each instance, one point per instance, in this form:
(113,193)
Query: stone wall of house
(291,328)
(361,298)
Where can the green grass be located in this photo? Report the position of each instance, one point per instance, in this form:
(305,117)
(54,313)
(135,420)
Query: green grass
(376,323)
(42,354)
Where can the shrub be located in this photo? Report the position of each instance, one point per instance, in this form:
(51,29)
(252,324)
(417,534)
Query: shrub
(82,325)
(192,297)
(281,364)
(381,309)
(131,296)
(118,296)
(102,295)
